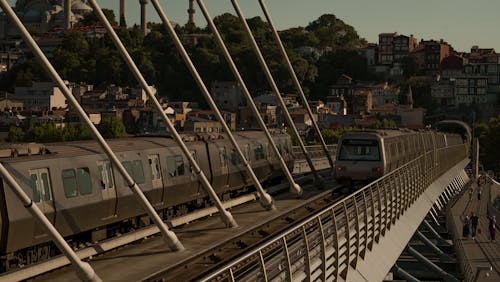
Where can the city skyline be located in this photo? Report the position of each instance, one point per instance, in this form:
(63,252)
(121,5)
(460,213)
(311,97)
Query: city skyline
(471,23)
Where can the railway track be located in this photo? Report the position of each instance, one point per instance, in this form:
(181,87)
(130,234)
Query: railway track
(200,265)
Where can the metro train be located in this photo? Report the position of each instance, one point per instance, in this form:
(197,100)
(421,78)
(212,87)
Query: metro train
(363,156)
(87,200)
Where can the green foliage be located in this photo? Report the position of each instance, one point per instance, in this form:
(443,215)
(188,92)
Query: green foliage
(112,128)
(332,136)
(384,124)
(91,19)
(51,132)
(97,62)
(489,138)
(15,134)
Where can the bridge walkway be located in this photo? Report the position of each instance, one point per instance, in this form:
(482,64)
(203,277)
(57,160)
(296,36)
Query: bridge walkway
(476,254)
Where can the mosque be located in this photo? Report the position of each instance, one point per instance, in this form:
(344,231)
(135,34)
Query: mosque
(45,15)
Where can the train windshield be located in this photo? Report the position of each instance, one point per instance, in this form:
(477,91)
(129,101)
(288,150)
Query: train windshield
(359,150)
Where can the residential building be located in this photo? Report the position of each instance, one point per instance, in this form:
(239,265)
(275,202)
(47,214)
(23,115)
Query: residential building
(385,48)
(361,101)
(41,96)
(11,105)
(434,53)
(343,87)
(443,91)
(370,52)
(472,90)
(452,66)
(402,46)
(300,116)
(384,93)
(336,105)
(229,117)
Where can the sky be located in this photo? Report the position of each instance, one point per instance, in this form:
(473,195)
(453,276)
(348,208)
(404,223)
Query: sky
(462,23)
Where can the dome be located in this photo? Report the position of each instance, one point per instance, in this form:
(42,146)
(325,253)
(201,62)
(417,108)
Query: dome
(79,6)
(32,16)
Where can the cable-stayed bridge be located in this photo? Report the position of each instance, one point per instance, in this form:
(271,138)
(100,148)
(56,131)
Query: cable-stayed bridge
(324,235)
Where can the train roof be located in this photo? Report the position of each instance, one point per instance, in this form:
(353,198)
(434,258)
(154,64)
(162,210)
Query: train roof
(91,147)
(383,133)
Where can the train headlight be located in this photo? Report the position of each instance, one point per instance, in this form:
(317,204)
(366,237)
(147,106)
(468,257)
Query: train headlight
(377,169)
(340,168)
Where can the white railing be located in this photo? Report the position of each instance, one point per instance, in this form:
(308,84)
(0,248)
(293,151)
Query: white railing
(325,245)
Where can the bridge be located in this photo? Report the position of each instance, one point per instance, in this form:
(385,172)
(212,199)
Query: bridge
(322,235)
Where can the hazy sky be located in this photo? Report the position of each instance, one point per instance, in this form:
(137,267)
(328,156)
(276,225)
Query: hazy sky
(462,23)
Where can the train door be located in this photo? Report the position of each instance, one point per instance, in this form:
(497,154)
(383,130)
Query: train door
(108,189)
(223,166)
(156,178)
(42,196)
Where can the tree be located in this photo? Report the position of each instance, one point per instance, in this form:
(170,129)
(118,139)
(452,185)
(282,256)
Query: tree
(112,128)
(333,32)
(15,134)
(384,124)
(489,138)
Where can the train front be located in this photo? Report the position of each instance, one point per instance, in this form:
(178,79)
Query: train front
(359,158)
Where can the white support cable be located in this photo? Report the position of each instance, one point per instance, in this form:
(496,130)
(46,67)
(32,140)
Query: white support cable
(294,187)
(318,179)
(265,199)
(83,270)
(296,82)
(226,216)
(168,236)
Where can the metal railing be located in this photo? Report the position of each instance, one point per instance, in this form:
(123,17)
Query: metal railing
(325,246)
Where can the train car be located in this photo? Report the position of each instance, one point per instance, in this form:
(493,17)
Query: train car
(87,200)
(363,156)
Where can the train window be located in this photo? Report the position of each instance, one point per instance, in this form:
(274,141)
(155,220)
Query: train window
(222,156)
(247,152)
(46,186)
(69,183)
(83,180)
(359,150)
(154,167)
(175,165)
(138,171)
(235,160)
(34,186)
(259,152)
(105,174)
(134,168)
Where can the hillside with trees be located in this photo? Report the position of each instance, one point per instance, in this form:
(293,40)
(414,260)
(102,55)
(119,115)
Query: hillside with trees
(97,62)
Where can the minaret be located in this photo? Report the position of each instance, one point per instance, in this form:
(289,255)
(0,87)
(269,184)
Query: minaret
(67,14)
(144,4)
(122,13)
(191,12)
(409,98)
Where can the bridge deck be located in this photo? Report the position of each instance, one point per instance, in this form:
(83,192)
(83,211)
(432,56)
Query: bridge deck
(137,262)
(481,251)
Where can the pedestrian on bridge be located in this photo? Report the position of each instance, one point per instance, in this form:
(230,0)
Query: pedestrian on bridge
(474,220)
(479,191)
(492,226)
(471,191)
(466,228)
